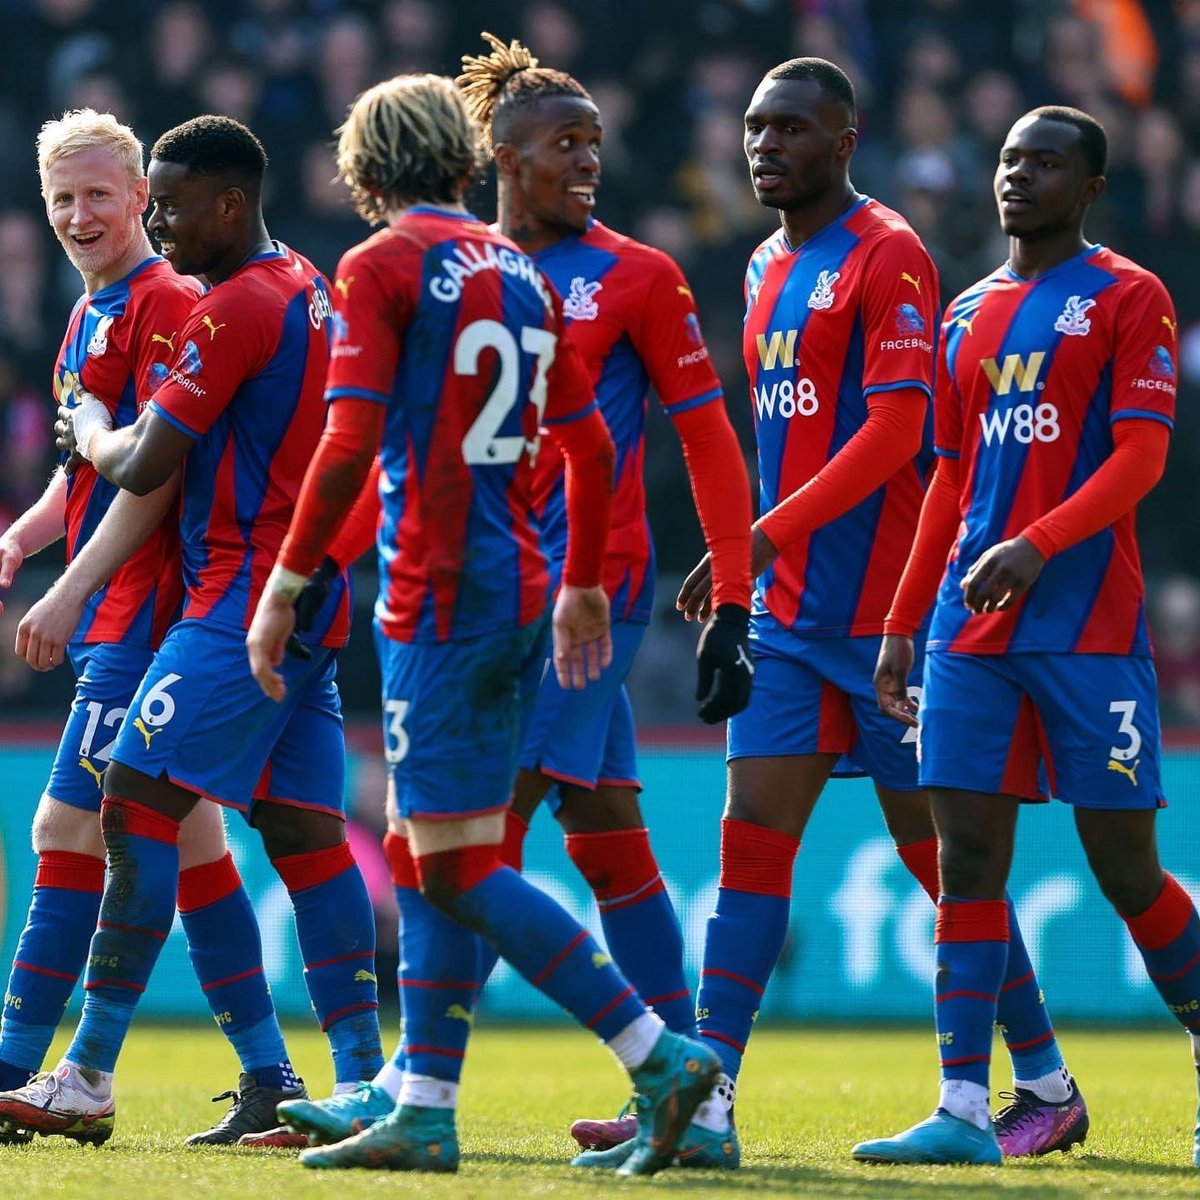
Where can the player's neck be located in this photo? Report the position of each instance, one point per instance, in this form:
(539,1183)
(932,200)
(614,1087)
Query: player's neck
(530,232)
(139,250)
(255,242)
(1029,259)
(396,212)
(808,219)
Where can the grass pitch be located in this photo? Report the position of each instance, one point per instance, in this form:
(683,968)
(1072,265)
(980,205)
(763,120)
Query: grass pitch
(807,1095)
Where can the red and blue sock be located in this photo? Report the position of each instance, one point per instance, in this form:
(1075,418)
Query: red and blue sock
(1167,936)
(336,927)
(535,934)
(971,937)
(1021,1009)
(438,977)
(226,952)
(640,926)
(136,913)
(744,936)
(51,953)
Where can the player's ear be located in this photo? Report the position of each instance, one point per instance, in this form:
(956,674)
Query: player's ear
(141,195)
(845,145)
(1093,188)
(506,158)
(232,203)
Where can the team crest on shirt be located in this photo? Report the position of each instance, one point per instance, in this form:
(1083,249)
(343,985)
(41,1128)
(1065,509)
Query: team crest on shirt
(822,294)
(190,362)
(99,342)
(691,326)
(1073,320)
(908,319)
(580,304)
(156,376)
(1162,366)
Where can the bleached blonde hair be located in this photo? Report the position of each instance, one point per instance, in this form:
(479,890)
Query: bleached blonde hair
(405,141)
(83,129)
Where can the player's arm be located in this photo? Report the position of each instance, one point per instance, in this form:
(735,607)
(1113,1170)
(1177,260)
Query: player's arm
(936,530)
(45,630)
(332,485)
(39,526)
(1141,412)
(582,637)
(1006,571)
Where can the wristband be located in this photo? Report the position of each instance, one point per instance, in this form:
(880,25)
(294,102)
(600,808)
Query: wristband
(87,416)
(285,583)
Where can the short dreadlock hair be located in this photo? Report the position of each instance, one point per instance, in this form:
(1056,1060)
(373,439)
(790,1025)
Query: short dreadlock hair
(499,86)
(217,146)
(407,140)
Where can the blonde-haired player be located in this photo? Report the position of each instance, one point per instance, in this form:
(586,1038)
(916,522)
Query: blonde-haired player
(447,358)
(107,614)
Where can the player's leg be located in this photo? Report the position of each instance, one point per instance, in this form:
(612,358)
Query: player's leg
(225,949)
(454,799)
(969,718)
(53,946)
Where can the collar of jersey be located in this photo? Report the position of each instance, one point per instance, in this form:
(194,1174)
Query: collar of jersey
(120,285)
(1062,266)
(432,210)
(564,243)
(836,223)
(277,250)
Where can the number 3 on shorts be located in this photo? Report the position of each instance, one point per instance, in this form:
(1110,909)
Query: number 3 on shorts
(396,736)
(1127,709)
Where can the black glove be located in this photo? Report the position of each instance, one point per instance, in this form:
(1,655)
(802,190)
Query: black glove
(726,668)
(309,602)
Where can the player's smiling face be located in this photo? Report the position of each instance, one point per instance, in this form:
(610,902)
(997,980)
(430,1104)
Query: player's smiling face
(797,142)
(187,219)
(1043,184)
(556,164)
(95,207)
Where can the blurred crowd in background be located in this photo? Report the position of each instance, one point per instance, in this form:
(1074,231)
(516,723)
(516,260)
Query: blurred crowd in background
(939,83)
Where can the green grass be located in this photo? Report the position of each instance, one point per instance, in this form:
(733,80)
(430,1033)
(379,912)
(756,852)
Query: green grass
(807,1096)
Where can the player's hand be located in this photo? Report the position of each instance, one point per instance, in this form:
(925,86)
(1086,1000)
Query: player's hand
(77,424)
(310,601)
(11,558)
(45,630)
(891,679)
(1002,575)
(274,622)
(726,668)
(582,636)
(695,596)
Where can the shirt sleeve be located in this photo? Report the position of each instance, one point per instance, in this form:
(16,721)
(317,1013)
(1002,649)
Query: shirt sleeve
(231,333)
(899,315)
(370,316)
(947,406)
(668,339)
(1145,356)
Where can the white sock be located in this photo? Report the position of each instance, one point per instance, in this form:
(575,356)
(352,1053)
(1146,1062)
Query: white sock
(633,1044)
(95,1084)
(1053,1087)
(389,1079)
(716,1113)
(423,1091)
(342,1089)
(962,1098)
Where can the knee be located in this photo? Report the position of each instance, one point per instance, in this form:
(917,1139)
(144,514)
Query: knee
(969,865)
(288,831)
(62,827)
(1130,887)
(202,836)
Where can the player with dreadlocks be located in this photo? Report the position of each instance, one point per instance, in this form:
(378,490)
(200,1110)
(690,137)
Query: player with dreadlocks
(633,317)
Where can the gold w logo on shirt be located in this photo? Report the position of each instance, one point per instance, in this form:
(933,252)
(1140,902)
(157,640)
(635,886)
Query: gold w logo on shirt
(98,776)
(169,342)
(1114,765)
(207,322)
(1171,326)
(965,323)
(343,286)
(907,278)
(140,726)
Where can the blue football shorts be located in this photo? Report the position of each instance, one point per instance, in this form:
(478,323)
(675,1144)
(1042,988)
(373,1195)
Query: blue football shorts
(1090,720)
(584,738)
(200,718)
(816,696)
(453,717)
(106,677)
